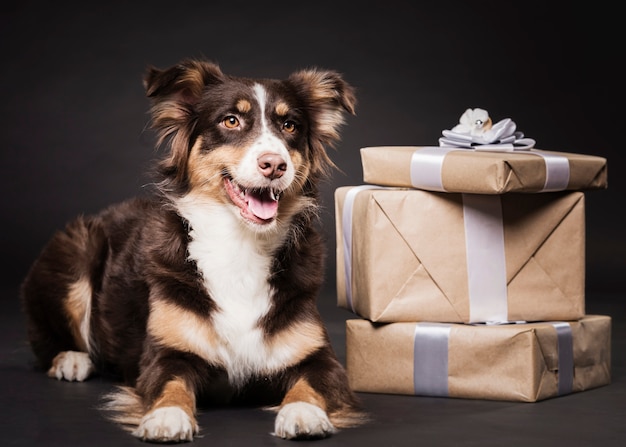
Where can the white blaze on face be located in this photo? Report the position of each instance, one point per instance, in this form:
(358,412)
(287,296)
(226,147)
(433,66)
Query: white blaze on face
(247,172)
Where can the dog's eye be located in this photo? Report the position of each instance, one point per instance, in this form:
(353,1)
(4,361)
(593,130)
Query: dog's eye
(231,122)
(289,126)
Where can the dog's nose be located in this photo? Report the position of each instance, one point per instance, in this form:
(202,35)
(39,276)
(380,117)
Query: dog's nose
(272,165)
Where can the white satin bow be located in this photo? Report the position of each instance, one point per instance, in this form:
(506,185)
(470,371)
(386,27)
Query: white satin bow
(502,136)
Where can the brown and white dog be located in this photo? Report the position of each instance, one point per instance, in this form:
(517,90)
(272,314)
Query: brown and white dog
(212,282)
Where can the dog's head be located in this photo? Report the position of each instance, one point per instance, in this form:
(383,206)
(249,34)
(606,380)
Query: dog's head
(258,145)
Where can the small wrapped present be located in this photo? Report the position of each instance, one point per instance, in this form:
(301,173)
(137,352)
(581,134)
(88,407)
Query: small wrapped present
(513,362)
(482,171)
(482,157)
(414,255)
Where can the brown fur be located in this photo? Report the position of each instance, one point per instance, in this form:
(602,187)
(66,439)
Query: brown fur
(206,287)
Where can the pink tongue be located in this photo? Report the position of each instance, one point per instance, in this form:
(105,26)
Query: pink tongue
(261,206)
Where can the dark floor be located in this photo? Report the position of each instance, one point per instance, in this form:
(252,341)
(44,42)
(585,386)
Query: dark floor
(36,410)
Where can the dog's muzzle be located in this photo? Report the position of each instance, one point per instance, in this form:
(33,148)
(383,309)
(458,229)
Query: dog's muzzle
(258,205)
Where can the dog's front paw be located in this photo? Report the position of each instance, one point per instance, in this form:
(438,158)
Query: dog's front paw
(71,366)
(167,424)
(302,420)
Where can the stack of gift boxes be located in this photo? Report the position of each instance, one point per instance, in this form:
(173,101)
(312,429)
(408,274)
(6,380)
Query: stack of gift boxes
(465,270)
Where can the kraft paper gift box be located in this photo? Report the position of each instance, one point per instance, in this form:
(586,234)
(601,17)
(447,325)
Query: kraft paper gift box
(482,171)
(513,362)
(414,255)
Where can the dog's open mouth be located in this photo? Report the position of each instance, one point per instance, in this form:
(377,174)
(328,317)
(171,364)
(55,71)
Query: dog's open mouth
(259,205)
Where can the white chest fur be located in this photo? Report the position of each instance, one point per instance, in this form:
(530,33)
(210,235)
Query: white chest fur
(234,262)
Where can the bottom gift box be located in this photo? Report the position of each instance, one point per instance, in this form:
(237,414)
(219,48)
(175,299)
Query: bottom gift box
(524,362)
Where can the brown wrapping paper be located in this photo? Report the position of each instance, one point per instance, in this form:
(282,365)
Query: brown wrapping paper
(515,362)
(408,256)
(482,172)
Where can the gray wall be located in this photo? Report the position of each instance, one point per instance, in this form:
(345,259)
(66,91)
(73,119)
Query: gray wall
(74,112)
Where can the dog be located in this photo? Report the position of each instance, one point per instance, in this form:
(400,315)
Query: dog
(206,286)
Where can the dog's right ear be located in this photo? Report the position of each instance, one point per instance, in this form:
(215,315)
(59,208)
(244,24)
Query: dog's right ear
(174,93)
(185,80)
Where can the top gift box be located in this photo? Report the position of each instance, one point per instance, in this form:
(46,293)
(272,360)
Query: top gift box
(481,171)
(478,156)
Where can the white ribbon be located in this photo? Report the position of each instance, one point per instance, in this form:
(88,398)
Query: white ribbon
(501,136)
(346,227)
(557,172)
(427,164)
(485,257)
(426,167)
(566,357)
(430,359)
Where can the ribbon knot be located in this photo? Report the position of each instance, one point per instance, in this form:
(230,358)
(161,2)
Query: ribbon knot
(475,131)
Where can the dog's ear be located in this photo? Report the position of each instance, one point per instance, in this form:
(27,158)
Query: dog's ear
(185,80)
(328,97)
(175,92)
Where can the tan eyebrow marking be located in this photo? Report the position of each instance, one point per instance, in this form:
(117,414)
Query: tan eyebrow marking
(243,106)
(282,109)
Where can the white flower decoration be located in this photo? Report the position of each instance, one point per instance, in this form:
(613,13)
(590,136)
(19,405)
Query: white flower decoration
(476,131)
(473,122)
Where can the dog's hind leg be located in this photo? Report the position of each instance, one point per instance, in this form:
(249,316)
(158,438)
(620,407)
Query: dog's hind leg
(57,299)
(71,365)
(76,365)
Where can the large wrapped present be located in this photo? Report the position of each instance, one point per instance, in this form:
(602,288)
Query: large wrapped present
(513,362)
(414,255)
(482,171)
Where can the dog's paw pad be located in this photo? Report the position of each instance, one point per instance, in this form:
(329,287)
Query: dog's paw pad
(167,424)
(302,420)
(71,366)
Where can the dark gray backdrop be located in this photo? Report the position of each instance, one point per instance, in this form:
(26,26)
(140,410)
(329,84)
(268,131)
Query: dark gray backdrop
(74,112)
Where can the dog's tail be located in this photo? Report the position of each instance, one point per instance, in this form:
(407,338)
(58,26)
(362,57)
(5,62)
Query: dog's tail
(124,407)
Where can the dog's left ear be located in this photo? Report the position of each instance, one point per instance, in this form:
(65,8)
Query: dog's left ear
(328,97)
